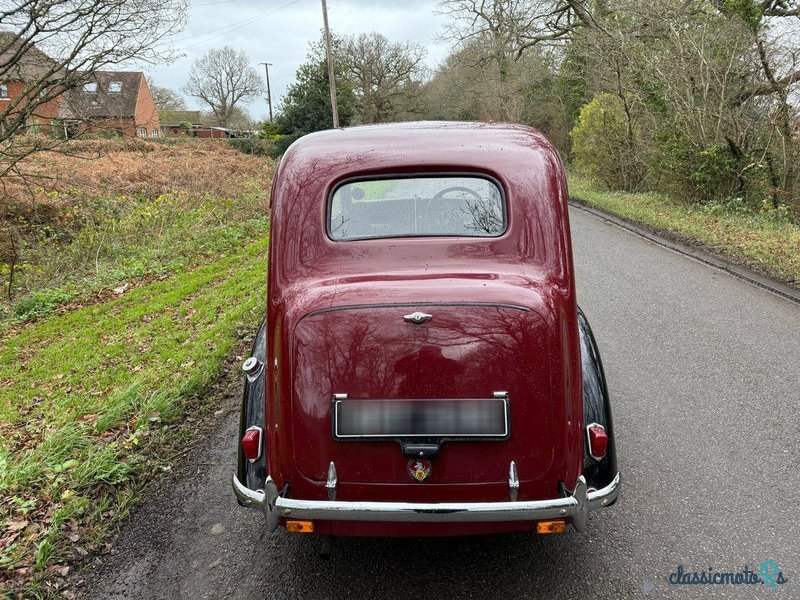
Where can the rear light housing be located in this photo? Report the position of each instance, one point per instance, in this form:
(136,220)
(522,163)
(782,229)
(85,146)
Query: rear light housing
(598,441)
(252,443)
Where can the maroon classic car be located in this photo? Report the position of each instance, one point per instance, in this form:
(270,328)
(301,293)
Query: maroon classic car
(424,368)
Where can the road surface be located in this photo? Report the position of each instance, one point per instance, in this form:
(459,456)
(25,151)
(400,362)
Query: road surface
(703,373)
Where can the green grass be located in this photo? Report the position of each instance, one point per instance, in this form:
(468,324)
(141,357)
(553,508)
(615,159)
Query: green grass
(122,239)
(88,397)
(768,241)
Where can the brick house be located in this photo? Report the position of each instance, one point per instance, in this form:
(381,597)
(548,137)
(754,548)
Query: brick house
(213,132)
(32,66)
(179,123)
(117,102)
(107,101)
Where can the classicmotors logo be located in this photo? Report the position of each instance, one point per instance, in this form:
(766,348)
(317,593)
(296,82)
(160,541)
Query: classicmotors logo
(768,573)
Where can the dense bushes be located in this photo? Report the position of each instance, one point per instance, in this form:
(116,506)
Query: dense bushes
(283,142)
(253,146)
(612,147)
(698,100)
(604,144)
(697,174)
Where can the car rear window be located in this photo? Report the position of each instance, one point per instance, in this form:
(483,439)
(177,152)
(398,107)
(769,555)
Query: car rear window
(443,205)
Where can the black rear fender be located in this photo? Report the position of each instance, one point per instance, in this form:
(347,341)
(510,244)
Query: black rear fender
(252,413)
(596,408)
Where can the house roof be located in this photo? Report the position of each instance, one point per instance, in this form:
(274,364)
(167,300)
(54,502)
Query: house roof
(32,64)
(176,117)
(103,99)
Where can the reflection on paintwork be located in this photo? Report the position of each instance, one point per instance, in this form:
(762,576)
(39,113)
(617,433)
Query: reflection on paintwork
(462,352)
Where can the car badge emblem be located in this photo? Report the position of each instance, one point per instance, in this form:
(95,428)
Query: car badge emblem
(417,318)
(419,470)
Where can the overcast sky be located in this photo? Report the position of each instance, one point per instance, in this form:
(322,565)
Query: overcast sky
(278,31)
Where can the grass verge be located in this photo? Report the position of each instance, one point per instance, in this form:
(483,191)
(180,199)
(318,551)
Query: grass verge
(89,400)
(116,213)
(767,241)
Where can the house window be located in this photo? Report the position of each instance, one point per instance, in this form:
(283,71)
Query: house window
(154,133)
(142,132)
(115,87)
(90,88)
(3,90)
(72,129)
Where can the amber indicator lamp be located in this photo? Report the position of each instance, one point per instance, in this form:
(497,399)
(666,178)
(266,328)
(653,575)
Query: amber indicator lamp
(555,526)
(300,526)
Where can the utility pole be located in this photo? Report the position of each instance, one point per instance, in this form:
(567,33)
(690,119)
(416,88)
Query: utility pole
(331,79)
(269,92)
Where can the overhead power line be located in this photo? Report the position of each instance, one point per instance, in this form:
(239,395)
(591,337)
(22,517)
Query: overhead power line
(231,28)
(213,3)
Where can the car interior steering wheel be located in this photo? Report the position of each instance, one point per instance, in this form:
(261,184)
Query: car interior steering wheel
(447,220)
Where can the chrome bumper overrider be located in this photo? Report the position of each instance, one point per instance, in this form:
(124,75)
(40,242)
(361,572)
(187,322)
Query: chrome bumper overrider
(576,507)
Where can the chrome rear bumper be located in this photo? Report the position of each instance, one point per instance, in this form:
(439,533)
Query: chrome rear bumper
(576,507)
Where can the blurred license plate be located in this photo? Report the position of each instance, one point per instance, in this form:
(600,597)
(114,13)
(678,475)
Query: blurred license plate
(421,418)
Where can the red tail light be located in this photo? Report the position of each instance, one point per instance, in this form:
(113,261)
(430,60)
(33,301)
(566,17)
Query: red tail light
(251,443)
(598,440)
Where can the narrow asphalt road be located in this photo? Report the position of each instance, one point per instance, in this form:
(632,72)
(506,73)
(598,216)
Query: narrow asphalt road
(703,373)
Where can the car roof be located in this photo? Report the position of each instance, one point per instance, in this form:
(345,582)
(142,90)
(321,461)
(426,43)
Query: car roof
(310,271)
(482,145)
(519,158)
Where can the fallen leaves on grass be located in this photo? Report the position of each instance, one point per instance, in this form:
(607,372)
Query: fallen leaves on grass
(87,426)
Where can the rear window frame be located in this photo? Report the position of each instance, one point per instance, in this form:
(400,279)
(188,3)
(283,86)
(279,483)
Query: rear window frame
(425,175)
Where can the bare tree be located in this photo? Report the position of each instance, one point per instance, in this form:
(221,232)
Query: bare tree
(509,27)
(222,79)
(779,8)
(49,47)
(706,89)
(705,94)
(166,98)
(469,87)
(385,75)
(239,120)
(774,86)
